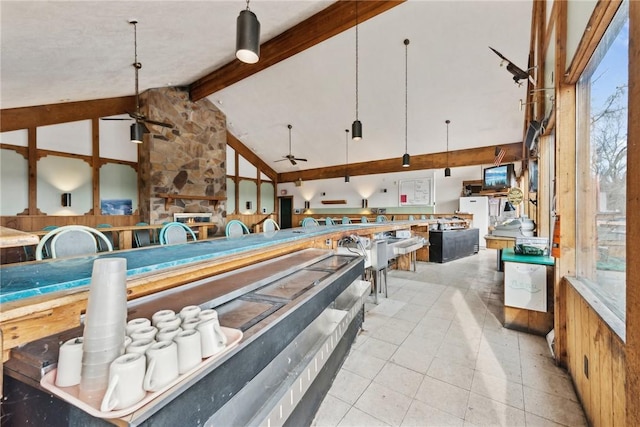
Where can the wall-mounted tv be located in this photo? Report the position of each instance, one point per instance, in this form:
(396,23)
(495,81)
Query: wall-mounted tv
(497,177)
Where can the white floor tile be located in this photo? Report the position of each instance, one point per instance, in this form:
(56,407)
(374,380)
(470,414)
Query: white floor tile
(331,411)
(446,397)
(384,404)
(422,415)
(400,379)
(486,412)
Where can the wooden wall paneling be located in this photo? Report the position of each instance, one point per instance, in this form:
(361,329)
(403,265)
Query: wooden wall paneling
(632,348)
(625,405)
(43,115)
(585,342)
(33,172)
(338,17)
(595,336)
(606,379)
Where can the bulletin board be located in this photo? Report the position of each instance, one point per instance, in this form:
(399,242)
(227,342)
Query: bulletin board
(416,192)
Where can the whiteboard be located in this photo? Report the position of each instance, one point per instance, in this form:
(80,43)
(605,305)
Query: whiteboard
(416,192)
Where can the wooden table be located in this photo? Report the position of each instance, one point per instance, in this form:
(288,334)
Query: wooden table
(499,243)
(10,238)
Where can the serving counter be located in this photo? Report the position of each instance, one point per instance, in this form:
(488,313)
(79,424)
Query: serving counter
(43,303)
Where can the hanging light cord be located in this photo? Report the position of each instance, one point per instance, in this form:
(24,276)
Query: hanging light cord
(247,4)
(447,122)
(406,91)
(346,169)
(136,64)
(356,60)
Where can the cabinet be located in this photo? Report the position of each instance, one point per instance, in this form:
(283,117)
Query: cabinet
(449,245)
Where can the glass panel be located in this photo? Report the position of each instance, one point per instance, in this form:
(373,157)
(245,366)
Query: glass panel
(57,175)
(602,166)
(231,196)
(14,183)
(248,202)
(118,183)
(267,193)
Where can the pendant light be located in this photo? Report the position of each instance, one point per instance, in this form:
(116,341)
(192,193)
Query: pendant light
(356,127)
(346,168)
(447,170)
(406,159)
(247,37)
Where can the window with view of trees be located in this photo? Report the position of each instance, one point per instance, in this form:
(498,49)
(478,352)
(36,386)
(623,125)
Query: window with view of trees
(602,110)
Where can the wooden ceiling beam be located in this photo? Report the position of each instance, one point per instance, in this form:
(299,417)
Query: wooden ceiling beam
(459,158)
(333,20)
(43,115)
(251,157)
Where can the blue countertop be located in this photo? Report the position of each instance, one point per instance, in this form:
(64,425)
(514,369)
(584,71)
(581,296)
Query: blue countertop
(508,255)
(19,281)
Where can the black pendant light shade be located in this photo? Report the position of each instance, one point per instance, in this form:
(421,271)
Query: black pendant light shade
(406,160)
(247,37)
(447,171)
(137,131)
(356,130)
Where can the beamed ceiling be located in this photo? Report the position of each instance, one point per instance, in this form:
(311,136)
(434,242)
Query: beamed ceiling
(70,51)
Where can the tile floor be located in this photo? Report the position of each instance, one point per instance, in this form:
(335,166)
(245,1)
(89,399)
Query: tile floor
(434,353)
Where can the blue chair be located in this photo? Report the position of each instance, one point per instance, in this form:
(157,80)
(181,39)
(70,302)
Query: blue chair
(381,218)
(329,221)
(236,228)
(109,235)
(71,240)
(310,222)
(423,217)
(175,232)
(346,220)
(364,220)
(270,225)
(411,218)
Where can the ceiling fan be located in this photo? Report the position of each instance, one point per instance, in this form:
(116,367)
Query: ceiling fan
(138,127)
(290,156)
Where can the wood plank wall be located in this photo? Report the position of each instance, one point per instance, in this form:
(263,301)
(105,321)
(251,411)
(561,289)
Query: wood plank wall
(602,391)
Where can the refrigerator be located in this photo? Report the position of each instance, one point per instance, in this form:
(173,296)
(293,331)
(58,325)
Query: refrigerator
(479,207)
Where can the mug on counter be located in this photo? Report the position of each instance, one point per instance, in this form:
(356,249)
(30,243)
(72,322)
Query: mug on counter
(69,363)
(162,365)
(161,315)
(212,338)
(135,324)
(140,346)
(189,312)
(146,333)
(189,350)
(168,334)
(169,323)
(126,377)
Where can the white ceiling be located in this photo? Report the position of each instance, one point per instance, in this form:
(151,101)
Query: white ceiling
(60,51)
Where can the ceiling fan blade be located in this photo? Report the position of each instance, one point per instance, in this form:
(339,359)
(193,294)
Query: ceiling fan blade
(301,160)
(293,162)
(115,118)
(281,160)
(153,122)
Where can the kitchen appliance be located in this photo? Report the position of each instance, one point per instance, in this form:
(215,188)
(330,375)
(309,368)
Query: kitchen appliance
(479,207)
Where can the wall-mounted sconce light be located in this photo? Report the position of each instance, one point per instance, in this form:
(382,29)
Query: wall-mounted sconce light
(365,203)
(248,205)
(66,199)
(307,204)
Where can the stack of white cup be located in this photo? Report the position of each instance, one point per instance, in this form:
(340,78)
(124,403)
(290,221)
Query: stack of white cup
(104,326)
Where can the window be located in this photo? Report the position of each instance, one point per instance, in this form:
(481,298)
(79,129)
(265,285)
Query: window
(602,113)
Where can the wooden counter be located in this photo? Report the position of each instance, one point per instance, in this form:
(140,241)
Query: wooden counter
(10,238)
(499,243)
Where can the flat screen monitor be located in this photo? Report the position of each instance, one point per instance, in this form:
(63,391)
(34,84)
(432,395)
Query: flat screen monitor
(497,177)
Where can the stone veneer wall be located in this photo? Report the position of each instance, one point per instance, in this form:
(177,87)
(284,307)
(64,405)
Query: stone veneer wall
(188,159)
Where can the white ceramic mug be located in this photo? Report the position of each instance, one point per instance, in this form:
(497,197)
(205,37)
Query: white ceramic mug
(189,312)
(135,324)
(162,365)
(212,338)
(69,363)
(208,314)
(126,376)
(168,334)
(139,346)
(169,323)
(190,323)
(161,315)
(189,350)
(146,333)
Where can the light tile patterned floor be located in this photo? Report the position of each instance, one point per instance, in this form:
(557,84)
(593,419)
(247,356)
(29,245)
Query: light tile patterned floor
(434,353)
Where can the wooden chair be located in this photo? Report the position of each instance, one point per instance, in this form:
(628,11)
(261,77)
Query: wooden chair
(236,228)
(175,232)
(72,240)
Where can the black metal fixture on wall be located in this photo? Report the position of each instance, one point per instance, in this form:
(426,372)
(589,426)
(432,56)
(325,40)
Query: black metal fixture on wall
(248,37)
(66,199)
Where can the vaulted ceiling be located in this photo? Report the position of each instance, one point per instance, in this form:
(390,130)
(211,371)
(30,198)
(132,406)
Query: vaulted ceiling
(61,51)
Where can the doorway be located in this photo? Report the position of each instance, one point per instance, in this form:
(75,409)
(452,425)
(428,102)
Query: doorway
(286,211)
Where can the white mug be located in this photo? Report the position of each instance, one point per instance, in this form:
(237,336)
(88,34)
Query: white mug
(208,314)
(135,324)
(168,334)
(139,346)
(126,376)
(190,323)
(146,333)
(189,312)
(161,315)
(169,323)
(162,365)
(189,350)
(69,363)
(212,338)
